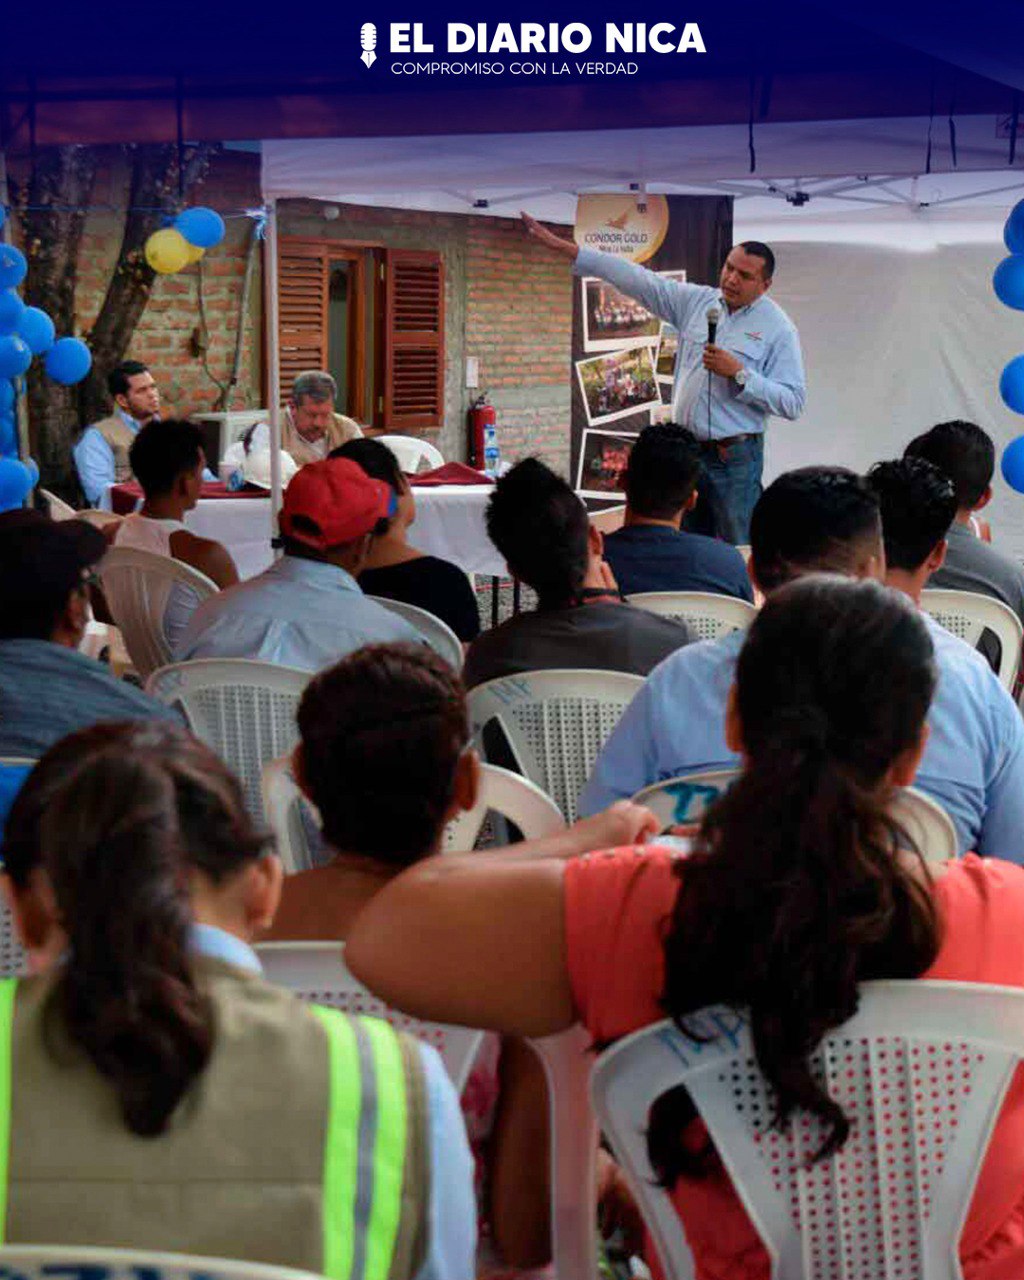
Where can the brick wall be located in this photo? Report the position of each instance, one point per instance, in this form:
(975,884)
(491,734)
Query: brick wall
(162,337)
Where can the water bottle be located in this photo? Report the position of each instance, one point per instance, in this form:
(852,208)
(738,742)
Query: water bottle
(492,454)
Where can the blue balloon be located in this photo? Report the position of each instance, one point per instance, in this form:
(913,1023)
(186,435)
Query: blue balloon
(32,467)
(15,483)
(7,396)
(8,435)
(200,226)
(15,357)
(1013,232)
(1008,281)
(12,266)
(36,330)
(68,361)
(11,310)
(1011,385)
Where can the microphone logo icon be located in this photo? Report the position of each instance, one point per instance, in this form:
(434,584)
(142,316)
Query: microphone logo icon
(368,42)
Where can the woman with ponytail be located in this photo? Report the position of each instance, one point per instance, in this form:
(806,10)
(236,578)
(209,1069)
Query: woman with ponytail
(164,1096)
(800,887)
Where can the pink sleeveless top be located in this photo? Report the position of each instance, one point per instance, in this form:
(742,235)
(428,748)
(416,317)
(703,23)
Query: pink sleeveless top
(616,904)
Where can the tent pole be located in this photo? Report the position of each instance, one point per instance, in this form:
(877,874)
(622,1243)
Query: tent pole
(270,306)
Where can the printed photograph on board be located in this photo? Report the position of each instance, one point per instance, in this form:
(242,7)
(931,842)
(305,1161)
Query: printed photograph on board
(618,384)
(665,360)
(603,459)
(611,320)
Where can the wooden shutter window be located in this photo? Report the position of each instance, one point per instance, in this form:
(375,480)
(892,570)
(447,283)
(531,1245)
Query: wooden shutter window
(303,284)
(413,339)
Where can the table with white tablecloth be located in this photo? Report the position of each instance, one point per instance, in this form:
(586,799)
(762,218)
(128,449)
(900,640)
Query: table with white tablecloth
(449,524)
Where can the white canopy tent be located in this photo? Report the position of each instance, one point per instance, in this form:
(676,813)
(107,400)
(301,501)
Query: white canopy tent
(885,269)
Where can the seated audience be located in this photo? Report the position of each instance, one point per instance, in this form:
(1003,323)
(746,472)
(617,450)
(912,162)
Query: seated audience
(48,688)
(394,568)
(385,731)
(650,552)
(168,461)
(306,610)
(967,456)
(825,518)
(800,889)
(101,453)
(541,528)
(155,1060)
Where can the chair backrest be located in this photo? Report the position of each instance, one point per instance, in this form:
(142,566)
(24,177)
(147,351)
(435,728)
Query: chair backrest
(681,802)
(967,614)
(921,1070)
(556,722)
(567,1060)
(316,971)
(610,519)
(137,585)
(707,615)
(244,710)
(45,1261)
(57,507)
(437,633)
(411,451)
(291,816)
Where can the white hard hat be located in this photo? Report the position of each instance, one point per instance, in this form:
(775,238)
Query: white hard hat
(256,468)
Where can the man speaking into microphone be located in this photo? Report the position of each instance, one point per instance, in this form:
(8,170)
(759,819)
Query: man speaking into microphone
(738,362)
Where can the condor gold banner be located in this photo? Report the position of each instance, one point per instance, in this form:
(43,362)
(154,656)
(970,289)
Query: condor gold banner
(624,224)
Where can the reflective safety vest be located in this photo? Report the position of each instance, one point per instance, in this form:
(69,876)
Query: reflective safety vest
(375,1155)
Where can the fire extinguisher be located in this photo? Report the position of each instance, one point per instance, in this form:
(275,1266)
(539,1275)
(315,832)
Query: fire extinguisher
(482,415)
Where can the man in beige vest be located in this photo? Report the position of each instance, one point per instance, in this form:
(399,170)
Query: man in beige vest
(101,454)
(310,428)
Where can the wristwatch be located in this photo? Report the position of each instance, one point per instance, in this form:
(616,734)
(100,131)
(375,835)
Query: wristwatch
(740,376)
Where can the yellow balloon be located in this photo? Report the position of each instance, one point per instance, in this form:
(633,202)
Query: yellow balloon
(167,251)
(194,252)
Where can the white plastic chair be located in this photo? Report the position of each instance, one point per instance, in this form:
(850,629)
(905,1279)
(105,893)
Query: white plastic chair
(936,1057)
(681,801)
(437,633)
(411,451)
(556,723)
(707,615)
(967,614)
(316,971)
(244,710)
(610,519)
(136,586)
(513,798)
(57,507)
(45,1261)
(567,1060)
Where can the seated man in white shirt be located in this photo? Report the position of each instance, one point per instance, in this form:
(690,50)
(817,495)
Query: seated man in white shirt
(307,610)
(168,461)
(101,454)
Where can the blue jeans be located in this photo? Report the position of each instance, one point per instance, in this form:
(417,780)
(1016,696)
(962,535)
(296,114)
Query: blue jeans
(728,487)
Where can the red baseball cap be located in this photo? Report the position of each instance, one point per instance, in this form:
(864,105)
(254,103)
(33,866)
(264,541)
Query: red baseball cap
(334,501)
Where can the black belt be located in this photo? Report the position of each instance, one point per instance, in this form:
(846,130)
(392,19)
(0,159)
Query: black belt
(726,442)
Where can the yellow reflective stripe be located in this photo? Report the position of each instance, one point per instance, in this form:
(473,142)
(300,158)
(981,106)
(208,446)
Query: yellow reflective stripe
(341,1144)
(388,1151)
(8,989)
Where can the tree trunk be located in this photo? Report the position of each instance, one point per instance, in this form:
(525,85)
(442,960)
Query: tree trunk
(153,195)
(53,210)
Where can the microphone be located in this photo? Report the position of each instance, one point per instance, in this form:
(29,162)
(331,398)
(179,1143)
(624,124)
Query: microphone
(368,42)
(714,315)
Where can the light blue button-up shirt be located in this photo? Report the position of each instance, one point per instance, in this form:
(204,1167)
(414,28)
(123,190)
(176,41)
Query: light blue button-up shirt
(973,762)
(94,459)
(451,1242)
(298,613)
(761,336)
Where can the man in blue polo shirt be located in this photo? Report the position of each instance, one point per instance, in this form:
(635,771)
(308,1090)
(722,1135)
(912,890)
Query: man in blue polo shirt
(828,519)
(650,552)
(725,390)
